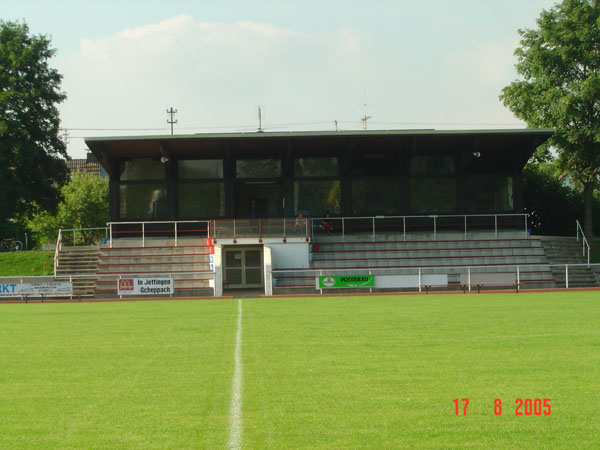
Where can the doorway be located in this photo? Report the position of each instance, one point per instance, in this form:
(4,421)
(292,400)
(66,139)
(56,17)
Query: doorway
(258,200)
(243,268)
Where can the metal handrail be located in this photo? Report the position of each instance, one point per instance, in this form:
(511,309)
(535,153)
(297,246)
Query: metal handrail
(74,231)
(434,218)
(143,224)
(584,242)
(271,227)
(57,250)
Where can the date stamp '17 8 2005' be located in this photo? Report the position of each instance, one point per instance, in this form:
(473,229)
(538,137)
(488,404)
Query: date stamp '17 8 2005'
(523,407)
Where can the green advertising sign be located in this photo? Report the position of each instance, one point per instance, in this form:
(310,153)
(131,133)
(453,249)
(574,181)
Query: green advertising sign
(346,281)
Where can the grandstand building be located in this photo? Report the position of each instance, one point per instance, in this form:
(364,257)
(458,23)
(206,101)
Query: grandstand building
(263,199)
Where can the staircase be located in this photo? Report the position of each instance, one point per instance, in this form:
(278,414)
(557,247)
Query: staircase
(567,250)
(81,262)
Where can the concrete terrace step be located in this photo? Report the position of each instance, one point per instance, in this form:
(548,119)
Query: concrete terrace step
(412,254)
(189,265)
(578,277)
(129,251)
(163,259)
(75,271)
(421,262)
(79,260)
(427,245)
(562,250)
(453,257)
(152,272)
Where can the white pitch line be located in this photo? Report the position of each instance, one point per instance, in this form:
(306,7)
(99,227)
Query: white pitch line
(235,408)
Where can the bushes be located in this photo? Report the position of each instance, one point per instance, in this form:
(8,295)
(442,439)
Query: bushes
(84,204)
(552,204)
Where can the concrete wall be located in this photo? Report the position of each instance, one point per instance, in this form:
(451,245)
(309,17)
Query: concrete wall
(218,267)
(268,271)
(290,255)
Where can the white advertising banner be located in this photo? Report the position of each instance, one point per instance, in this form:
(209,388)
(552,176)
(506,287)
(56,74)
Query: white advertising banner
(410,281)
(47,289)
(145,286)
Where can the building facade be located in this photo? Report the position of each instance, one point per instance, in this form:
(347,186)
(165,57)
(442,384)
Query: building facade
(346,174)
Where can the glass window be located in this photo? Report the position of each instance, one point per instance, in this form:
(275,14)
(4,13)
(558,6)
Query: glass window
(488,193)
(373,197)
(200,168)
(253,258)
(432,195)
(258,168)
(142,201)
(432,165)
(315,198)
(316,167)
(233,258)
(373,164)
(201,200)
(253,276)
(142,169)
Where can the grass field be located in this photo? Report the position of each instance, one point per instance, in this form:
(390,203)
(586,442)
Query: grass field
(359,372)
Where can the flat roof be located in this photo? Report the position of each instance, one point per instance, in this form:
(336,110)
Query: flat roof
(285,134)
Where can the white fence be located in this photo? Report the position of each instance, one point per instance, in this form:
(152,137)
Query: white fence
(467,278)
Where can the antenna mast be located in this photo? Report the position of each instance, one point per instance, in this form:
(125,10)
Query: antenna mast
(364,118)
(260,129)
(171,112)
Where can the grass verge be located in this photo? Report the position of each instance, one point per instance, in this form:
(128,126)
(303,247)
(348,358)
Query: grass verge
(26,263)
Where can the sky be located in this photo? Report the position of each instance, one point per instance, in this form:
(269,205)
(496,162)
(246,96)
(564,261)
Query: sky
(405,64)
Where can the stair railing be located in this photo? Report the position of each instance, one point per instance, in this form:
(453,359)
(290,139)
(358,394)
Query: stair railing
(585,246)
(427,223)
(57,250)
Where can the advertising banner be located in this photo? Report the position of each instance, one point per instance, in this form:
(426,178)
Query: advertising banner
(47,289)
(345,281)
(145,286)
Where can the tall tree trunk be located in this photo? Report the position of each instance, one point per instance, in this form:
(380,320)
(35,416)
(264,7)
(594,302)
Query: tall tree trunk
(588,201)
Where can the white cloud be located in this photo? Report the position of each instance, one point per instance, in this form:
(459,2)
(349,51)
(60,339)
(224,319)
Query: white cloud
(214,73)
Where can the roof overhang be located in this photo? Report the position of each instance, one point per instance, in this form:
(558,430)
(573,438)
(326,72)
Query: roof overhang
(515,144)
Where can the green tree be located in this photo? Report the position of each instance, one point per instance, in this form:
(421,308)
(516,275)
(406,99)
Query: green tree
(560,88)
(84,204)
(550,204)
(32,165)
